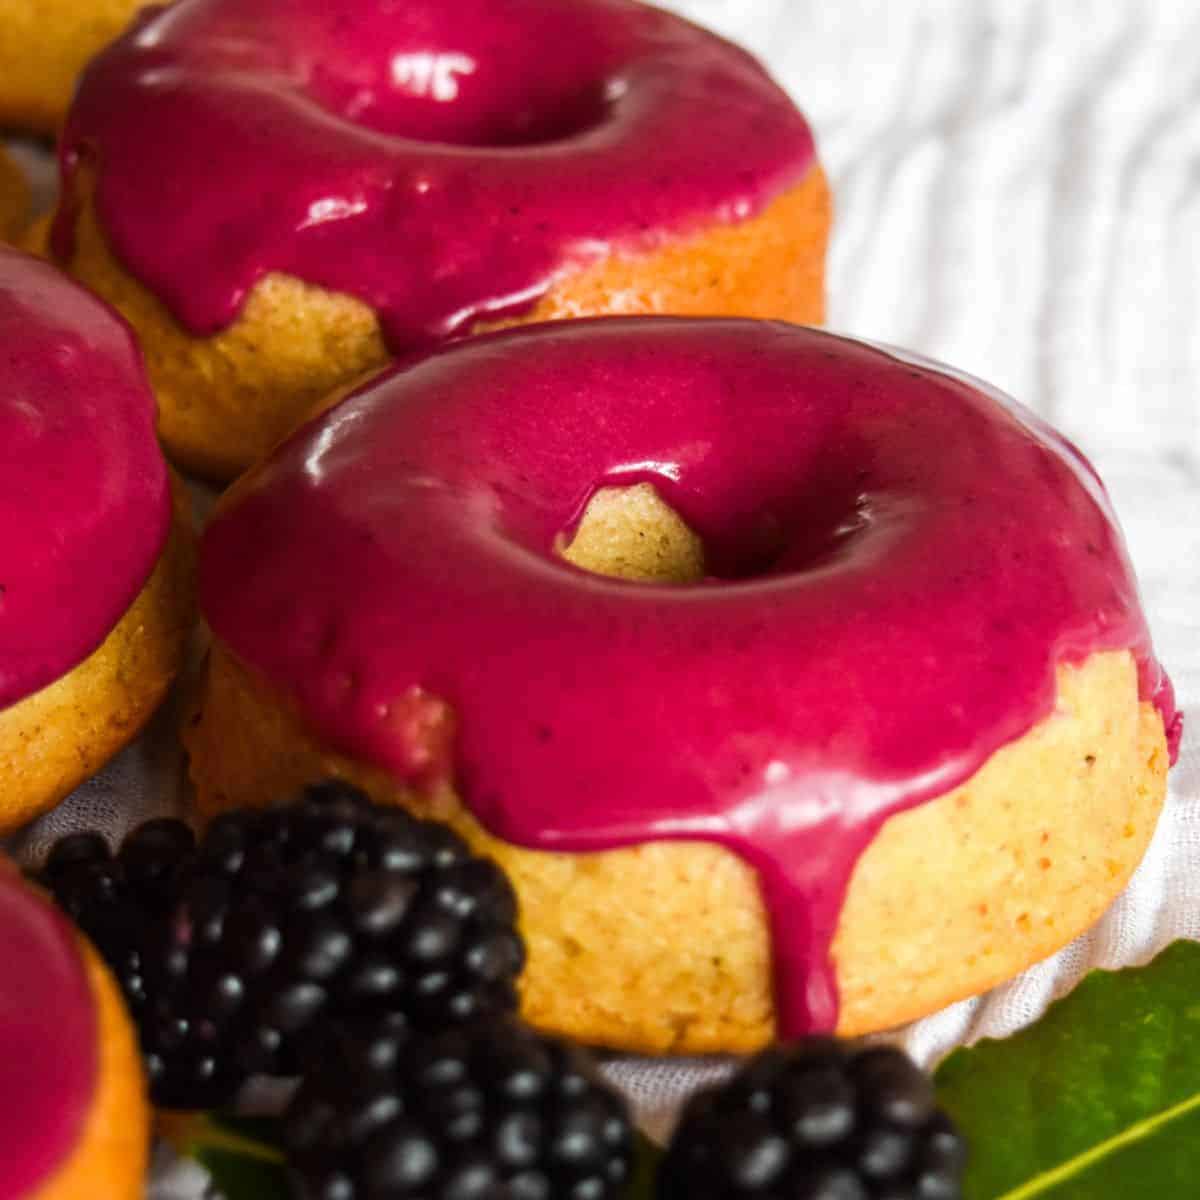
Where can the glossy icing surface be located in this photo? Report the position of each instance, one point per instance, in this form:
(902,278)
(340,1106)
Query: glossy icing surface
(441,162)
(897,559)
(48,1052)
(84,503)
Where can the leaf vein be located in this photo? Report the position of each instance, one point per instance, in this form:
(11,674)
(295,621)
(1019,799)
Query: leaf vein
(1073,1166)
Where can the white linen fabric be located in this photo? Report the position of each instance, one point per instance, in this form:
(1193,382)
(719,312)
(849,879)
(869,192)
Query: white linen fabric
(1018,194)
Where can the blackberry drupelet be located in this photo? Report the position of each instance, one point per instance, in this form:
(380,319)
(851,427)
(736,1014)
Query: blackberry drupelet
(818,1120)
(233,950)
(490,1111)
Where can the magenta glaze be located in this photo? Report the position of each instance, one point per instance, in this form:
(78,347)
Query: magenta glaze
(48,1050)
(898,560)
(84,503)
(440,161)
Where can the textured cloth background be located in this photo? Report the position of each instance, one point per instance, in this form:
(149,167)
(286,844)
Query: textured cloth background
(1018,194)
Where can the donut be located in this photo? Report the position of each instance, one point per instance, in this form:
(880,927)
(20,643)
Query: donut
(45,45)
(94,570)
(281,198)
(798,685)
(14,199)
(74,1121)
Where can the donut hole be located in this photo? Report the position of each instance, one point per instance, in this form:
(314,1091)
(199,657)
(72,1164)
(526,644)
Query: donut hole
(430,102)
(461,83)
(633,533)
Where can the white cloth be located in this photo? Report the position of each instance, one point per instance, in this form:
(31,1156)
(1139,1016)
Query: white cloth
(1018,194)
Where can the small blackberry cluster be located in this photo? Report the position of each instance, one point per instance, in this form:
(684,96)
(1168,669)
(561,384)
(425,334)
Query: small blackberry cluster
(233,950)
(820,1120)
(485,1112)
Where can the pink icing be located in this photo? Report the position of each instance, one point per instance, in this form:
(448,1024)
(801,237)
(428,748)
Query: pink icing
(48,1052)
(898,562)
(440,161)
(84,503)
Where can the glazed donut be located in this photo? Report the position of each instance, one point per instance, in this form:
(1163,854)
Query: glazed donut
(45,45)
(282,197)
(74,1121)
(14,199)
(903,714)
(94,582)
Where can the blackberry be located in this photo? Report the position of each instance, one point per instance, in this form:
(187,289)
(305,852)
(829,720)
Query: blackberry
(232,950)
(491,1110)
(818,1120)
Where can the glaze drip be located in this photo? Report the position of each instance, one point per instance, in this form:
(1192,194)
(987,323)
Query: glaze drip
(899,562)
(48,1053)
(440,162)
(84,501)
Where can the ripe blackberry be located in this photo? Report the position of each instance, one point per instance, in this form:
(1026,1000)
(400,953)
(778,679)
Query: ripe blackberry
(233,949)
(490,1111)
(818,1120)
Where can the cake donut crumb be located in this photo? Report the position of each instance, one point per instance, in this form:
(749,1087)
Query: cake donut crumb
(895,731)
(81,1129)
(96,605)
(617,160)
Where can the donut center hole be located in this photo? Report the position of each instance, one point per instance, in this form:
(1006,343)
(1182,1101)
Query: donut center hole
(454,98)
(632,533)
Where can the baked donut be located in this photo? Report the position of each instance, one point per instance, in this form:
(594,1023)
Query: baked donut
(94,581)
(74,1121)
(882,689)
(14,199)
(282,197)
(44,47)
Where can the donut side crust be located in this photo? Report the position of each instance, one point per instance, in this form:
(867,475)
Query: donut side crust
(663,948)
(14,200)
(44,48)
(35,237)
(53,740)
(225,400)
(111,1157)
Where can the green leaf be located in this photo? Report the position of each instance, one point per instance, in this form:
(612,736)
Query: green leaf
(242,1156)
(266,1132)
(237,1176)
(646,1156)
(1100,1100)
